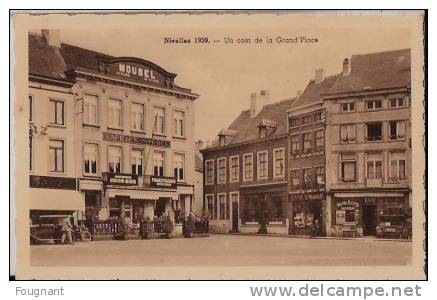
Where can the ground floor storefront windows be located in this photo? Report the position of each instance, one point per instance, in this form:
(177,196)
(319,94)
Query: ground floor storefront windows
(369,216)
(268,207)
(307,217)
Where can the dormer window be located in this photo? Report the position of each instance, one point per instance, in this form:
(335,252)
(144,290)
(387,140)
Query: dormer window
(262,132)
(222,140)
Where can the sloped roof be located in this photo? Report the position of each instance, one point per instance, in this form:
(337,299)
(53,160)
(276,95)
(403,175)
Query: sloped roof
(376,71)
(44,60)
(246,128)
(53,62)
(313,91)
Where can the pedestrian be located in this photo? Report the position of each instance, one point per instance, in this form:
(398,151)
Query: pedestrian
(66,231)
(316,228)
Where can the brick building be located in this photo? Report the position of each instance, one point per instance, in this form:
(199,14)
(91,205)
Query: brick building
(245,178)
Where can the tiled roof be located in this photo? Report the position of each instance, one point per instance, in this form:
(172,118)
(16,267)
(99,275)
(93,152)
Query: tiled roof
(49,61)
(313,91)
(376,71)
(44,60)
(246,128)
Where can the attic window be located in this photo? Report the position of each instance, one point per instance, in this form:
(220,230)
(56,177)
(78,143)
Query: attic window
(222,140)
(262,132)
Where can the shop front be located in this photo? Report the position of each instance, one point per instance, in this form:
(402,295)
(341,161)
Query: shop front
(367,214)
(261,207)
(306,209)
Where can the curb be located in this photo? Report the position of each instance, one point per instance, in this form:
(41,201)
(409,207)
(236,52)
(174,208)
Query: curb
(316,238)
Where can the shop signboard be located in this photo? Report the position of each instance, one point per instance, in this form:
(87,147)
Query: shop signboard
(120,179)
(348,212)
(113,137)
(307,196)
(52,182)
(163,182)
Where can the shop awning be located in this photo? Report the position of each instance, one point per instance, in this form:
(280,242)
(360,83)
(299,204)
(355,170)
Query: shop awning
(185,190)
(55,199)
(90,185)
(142,194)
(360,195)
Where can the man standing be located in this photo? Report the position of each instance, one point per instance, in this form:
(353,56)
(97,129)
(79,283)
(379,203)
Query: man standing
(66,231)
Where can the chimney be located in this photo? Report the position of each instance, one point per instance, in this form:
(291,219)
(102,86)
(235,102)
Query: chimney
(346,67)
(257,101)
(298,93)
(319,74)
(52,37)
(199,145)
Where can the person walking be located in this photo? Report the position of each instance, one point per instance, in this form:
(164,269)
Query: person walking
(66,231)
(316,228)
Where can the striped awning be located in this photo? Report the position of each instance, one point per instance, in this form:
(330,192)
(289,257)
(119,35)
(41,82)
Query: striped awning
(90,185)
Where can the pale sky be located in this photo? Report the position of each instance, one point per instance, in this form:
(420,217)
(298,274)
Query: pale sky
(224,75)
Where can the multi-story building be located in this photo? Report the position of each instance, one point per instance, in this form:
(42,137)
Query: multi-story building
(245,178)
(306,129)
(368,143)
(109,136)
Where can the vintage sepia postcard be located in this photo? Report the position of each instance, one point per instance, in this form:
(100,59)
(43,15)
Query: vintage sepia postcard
(219,145)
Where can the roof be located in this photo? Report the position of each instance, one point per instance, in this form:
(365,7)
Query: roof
(314,91)
(53,62)
(246,128)
(380,70)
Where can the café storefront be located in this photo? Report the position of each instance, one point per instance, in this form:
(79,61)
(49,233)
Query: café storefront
(305,208)
(361,214)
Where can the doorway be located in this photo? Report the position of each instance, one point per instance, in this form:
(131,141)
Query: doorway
(160,207)
(234,216)
(369,219)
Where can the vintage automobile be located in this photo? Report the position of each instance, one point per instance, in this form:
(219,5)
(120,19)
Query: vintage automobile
(46,229)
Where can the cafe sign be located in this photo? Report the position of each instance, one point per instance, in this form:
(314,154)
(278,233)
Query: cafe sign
(307,196)
(120,179)
(113,137)
(163,182)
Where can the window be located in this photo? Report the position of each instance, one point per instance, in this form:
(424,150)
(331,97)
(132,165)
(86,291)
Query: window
(209,174)
(137,117)
(293,122)
(90,110)
(159,116)
(114,159)
(90,157)
(396,130)
(223,206)
(56,112)
(221,170)
(179,126)
(179,166)
(348,167)
(374,105)
(114,113)
(279,160)
(396,103)
(320,175)
(320,140)
(374,165)
(248,166)
(137,161)
(56,155)
(307,142)
(262,164)
(374,131)
(348,107)
(234,162)
(209,199)
(318,117)
(295,145)
(397,166)
(158,163)
(307,177)
(30,152)
(347,133)
(307,119)
(295,179)
(30,107)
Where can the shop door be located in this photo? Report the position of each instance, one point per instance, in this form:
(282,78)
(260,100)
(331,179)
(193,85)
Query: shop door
(234,216)
(369,219)
(160,207)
